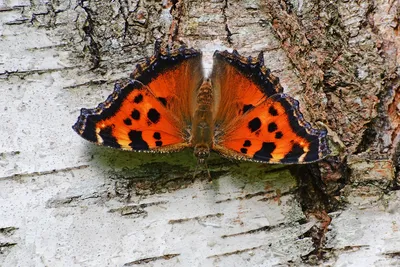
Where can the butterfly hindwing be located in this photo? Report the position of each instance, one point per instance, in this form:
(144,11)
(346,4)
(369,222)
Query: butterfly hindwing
(273,132)
(132,118)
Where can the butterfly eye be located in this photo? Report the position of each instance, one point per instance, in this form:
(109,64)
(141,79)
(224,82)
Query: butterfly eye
(202,152)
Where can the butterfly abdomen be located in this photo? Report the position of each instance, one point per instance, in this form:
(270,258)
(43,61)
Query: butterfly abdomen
(202,126)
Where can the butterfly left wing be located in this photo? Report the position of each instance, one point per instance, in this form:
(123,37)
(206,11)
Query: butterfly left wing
(273,132)
(154,110)
(131,118)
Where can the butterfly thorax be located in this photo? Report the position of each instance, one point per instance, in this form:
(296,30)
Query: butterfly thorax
(202,126)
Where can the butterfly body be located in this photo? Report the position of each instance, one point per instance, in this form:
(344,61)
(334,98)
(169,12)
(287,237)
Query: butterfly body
(240,111)
(202,127)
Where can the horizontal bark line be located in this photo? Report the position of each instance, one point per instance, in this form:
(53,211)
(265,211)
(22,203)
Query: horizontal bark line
(151,259)
(42,173)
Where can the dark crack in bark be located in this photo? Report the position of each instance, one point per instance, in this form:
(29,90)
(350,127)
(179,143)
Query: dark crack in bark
(177,9)
(92,46)
(228,32)
(316,204)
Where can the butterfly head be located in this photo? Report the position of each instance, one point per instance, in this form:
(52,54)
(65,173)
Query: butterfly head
(202,152)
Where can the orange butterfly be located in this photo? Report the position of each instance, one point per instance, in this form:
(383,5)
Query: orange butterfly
(239,111)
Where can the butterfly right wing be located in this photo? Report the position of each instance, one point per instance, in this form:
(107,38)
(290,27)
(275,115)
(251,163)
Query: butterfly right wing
(255,121)
(239,84)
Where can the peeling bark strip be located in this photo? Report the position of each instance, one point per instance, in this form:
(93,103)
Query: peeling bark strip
(197,218)
(40,173)
(136,210)
(6,245)
(147,260)
(267,195)
(22,73)
(264,228)
(8,231)
(394,254)
(235,252)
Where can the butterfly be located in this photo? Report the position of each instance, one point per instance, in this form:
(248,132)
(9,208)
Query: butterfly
(239,111)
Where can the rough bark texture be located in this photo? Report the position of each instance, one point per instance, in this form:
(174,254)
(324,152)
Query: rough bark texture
(64,202)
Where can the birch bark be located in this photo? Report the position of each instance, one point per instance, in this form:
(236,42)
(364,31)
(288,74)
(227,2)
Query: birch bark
(64,202)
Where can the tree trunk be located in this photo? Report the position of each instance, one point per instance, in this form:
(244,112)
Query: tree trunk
(65,202)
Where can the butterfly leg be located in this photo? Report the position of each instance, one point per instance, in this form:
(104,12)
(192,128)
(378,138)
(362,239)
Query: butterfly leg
(196,170)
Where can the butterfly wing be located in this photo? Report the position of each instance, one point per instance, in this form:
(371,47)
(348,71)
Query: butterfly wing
(152,111)
(272,129)
(173,77)
(239,84)
(274,132)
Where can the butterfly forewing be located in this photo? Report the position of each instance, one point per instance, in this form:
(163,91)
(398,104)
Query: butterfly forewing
(173,77)
(239,84)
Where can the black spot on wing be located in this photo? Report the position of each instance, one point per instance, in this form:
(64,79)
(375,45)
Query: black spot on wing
(158,143)
(278,135)
(264,154)
(272,127)
(273,111)
(254,124)
(108,138)
(137,142)
(128,121)
(157,136)
(247,108)
(163,100)
(243,150)
(135,114)
(153,115)
(247,143)
(138,99)
(294,154)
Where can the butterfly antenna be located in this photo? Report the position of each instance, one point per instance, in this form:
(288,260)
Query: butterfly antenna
(157,47)
(260,58)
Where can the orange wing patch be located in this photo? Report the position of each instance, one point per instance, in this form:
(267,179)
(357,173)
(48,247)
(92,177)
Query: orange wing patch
(131,119)
(273,132)
(173,77)
(240,84)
